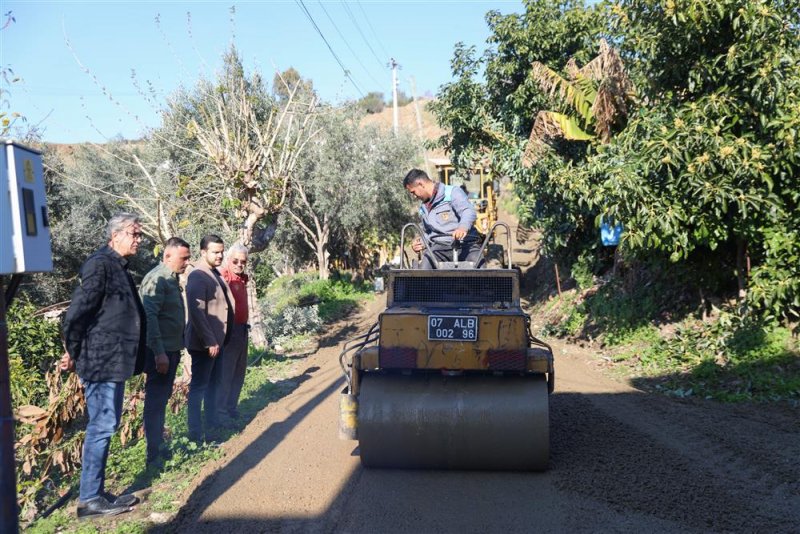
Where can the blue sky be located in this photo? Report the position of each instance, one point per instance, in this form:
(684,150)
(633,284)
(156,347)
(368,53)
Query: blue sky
(113,39)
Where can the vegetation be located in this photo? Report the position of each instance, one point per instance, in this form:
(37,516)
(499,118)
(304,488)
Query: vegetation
(265,382)
(347,197)
(676,118)
(297,306)
(372,102)
(697,157)
(50,406)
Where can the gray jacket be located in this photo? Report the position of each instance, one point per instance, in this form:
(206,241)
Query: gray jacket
(450,209)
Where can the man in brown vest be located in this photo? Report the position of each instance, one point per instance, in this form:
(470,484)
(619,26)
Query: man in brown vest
(210,314)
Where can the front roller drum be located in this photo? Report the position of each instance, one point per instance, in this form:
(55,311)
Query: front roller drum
(461,422)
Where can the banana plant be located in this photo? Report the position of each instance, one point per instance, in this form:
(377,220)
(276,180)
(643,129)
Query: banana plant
(597,95)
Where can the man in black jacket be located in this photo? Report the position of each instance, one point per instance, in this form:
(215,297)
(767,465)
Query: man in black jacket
(104,332)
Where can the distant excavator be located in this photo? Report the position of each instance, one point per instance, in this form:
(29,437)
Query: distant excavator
(479,185)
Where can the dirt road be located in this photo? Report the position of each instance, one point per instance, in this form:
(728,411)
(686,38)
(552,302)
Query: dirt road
(621,461)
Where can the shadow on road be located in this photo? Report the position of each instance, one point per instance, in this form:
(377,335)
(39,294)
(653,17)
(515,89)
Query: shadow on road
(249,407)
(236,467)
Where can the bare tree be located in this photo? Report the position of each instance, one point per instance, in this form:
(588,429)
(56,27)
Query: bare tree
(252,146)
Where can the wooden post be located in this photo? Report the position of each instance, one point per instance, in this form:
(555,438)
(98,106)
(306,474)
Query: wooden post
(558,280)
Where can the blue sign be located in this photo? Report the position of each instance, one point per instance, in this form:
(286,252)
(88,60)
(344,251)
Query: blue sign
(610,235)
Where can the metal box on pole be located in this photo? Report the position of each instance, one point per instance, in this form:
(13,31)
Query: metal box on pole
(24,224)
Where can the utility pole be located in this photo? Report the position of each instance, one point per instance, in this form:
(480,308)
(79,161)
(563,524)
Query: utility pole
(394,65)
(8,480)
(419,123)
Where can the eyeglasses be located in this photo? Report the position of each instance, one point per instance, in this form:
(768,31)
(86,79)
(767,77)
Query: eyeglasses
(138,236)
(239,262)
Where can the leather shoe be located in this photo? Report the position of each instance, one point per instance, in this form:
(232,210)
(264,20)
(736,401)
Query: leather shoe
(100,506)
(129,499)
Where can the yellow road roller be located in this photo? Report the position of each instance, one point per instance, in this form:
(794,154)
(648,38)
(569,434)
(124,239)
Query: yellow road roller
(450,377)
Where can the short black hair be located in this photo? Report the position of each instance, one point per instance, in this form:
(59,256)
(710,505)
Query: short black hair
(414,176)
(176,242)
(210,238)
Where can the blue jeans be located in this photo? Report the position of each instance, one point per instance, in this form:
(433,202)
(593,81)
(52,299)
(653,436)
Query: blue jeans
(157,391)
(206,373)
(104,405)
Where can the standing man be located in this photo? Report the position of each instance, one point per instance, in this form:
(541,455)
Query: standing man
(447,215)
(104,333)
(207,331)
(162,297)
(234,366)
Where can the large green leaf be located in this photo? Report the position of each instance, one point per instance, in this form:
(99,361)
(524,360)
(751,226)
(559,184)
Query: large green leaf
(569,126)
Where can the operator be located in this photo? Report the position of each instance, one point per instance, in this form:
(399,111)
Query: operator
(447,215)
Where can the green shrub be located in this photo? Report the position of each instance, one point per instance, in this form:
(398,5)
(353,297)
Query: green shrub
(731,359)
(299,305)
(583,270)
(34,346)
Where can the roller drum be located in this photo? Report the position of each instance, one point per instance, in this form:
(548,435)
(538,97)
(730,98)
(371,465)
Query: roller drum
(460,422)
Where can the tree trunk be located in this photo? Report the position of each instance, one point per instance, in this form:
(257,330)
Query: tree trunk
(258,336)
(322,259)
(323,236)
(742,267)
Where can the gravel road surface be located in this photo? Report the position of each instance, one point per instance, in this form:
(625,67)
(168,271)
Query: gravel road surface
(621,461)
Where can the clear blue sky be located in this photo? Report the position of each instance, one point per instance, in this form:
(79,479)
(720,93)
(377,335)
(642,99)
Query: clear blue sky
(112,39)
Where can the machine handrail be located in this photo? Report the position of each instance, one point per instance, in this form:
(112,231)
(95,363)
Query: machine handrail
(489,235)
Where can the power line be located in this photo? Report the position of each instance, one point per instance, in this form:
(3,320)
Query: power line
(355,23)
(339,61)
(374,33)
(348,44)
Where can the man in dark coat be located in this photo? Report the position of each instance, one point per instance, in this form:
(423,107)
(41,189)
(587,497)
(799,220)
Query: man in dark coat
(104,332)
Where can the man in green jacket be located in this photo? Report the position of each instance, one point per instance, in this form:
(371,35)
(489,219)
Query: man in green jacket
(166,318)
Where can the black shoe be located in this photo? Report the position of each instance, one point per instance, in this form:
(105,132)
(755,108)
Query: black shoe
(100,506)
(128,499)
(226,423)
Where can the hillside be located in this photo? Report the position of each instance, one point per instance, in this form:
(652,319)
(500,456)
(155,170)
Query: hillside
(407,119)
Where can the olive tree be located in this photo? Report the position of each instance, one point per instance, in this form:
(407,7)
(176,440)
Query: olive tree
(348,189)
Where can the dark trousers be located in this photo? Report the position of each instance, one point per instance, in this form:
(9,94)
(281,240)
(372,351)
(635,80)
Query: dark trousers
(157,391)
(469,252)
(203,393)
(104,406)
(234,367)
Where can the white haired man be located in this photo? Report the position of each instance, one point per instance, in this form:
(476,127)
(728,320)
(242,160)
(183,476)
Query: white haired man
(234,365)
(104,333)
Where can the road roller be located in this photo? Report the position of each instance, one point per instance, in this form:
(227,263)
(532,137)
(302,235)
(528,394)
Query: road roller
(450,376)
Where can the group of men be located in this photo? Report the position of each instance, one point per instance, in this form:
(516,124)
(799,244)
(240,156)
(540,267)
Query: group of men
(112,331)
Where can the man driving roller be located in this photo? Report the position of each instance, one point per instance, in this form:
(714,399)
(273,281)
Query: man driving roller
(447,215)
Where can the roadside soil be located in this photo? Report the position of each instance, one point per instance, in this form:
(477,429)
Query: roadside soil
(622,460)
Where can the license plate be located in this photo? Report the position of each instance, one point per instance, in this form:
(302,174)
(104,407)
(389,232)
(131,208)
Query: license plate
(452,328)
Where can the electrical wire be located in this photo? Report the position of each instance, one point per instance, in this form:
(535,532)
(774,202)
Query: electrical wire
(305,10)
(348,44)
(355,23)
(374,33)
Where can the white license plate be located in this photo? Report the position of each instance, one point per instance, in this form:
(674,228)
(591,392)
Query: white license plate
(452,328)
